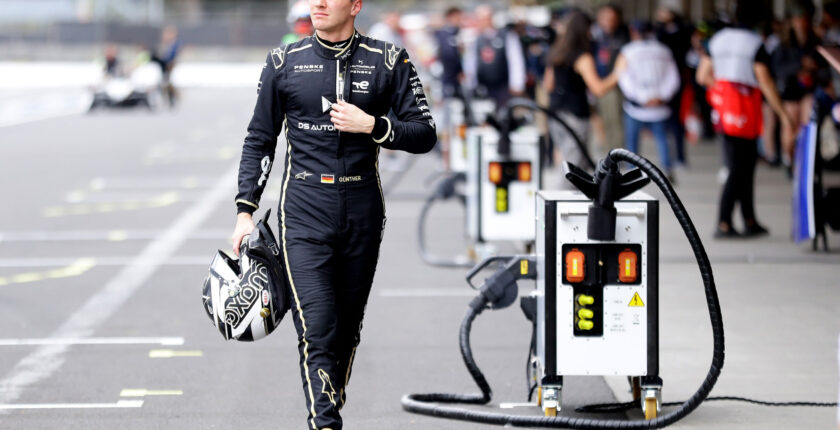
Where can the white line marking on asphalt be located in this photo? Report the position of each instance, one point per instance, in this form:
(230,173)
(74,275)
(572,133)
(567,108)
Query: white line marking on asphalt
(186,260)
(142,392)
(46,359)
(104,235)
(119,404)
(171,353)
(430,292)
(168,341)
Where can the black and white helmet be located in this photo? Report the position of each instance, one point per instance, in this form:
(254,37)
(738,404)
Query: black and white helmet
(246,298)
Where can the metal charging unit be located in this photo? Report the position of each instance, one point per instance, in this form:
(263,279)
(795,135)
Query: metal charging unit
(458,122)
(597,301)
(501,188)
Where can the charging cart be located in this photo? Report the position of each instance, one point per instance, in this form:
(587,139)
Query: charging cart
(501,188)
(597,301)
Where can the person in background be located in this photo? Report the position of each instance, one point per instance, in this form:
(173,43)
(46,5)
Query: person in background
(675,33)
(569,74)
(170,46)
(112,66)
(796,63)
(449,55)
(734,73)
(770,146)
(649,81)
(495,65)
(609,35)
(388,29)
(300,21)
(699,40)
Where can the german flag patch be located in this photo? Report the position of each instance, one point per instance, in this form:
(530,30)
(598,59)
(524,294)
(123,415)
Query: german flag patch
(327,179)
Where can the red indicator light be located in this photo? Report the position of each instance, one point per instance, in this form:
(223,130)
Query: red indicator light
(574,265)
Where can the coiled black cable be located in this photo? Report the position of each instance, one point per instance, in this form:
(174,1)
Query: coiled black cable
(626,406)
(446,189)
(420,403)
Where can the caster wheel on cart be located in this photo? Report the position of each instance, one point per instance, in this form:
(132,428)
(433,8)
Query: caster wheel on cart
(650,408)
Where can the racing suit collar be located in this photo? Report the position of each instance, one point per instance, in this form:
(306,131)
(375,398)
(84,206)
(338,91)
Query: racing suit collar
(326,50)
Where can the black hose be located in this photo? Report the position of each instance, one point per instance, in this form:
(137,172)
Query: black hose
(419,403)
(444,190)
(530,104)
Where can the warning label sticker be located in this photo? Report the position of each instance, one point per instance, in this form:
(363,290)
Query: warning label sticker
(636,301)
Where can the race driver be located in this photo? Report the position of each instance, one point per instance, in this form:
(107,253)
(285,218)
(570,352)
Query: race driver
(340,96)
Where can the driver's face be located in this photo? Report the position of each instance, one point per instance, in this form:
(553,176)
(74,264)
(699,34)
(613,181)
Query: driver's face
(331,14)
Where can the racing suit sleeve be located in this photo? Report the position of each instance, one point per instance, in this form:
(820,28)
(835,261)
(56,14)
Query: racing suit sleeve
(411,127)
(261,141)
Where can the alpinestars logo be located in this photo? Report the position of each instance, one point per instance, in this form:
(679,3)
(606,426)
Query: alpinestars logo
(278,56)
(303,175)
(391,60)
(326,386)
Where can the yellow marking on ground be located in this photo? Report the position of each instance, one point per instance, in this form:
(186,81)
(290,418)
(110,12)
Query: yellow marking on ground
(77,268)
(171,353)
(27,277)
(163,200)
(117,235)
(142,392)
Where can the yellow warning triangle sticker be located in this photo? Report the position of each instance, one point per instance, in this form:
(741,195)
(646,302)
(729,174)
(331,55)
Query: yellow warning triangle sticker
(636,301)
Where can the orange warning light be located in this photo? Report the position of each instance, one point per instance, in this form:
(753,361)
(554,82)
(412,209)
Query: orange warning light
(574,265)
(524,172)
(627,266)
(495,172)
(462,131)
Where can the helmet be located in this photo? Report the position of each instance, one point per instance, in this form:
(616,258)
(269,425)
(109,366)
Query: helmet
(246,298)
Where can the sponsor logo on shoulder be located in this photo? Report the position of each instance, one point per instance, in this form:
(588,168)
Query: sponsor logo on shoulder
(278,56)
(303,175)
(327,178)
(391,59)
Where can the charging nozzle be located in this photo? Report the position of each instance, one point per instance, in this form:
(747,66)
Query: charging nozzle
(606,186)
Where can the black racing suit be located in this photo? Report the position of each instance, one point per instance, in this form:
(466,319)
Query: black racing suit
(332,211)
